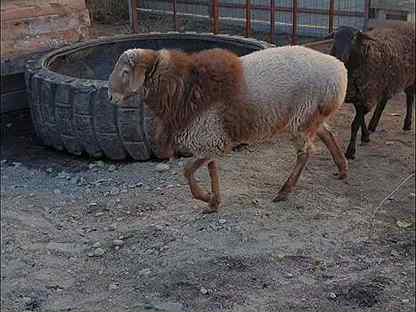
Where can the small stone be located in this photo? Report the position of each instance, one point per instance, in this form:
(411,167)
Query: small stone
(96,245)
(255,201)
(162,167)
(394,253)
(114,191)
(99,163)
(16,164)
(289,275)
(118,242)
(389,142)
(112,168)
(123,191)
(113,286)
(57,191)
(170,186)
(81,181)
(8,125)
(332,295)
(112,227)
(222,221)
(27,301)
(405,300)
(99,214)
(49,170)
(203,290)
(145,271)
(99,252)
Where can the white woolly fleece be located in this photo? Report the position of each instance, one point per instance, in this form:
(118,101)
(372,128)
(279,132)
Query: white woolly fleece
(288,85)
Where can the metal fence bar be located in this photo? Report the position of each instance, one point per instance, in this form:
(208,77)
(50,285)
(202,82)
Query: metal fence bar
(175,18)
(366,13)
(294,21)
(134,23)
(331,14)
(215,16)
(262,7)
(248,18)
(272,20)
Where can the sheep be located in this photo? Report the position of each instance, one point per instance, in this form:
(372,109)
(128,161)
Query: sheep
(212,100)
(380,63)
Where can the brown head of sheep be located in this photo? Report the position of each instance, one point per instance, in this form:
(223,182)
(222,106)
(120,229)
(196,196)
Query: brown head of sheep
(202,101)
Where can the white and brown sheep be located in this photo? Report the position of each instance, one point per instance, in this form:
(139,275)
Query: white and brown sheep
(210,101)
(380,63)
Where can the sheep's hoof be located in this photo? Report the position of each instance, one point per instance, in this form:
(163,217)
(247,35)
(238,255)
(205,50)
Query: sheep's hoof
(281,197)
(213,205)
(407,128)
(365,141)
(341,175)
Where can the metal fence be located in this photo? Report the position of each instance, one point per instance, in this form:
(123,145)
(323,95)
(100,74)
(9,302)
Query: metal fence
(294,18)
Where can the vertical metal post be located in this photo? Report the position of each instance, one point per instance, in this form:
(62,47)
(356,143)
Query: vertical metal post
(133,14)
(294,21)
(331,16)
(366,14)
(272,20)
(215,15)
(248,18)
(175,19)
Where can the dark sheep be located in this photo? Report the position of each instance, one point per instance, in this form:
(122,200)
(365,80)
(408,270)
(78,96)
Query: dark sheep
(380,63)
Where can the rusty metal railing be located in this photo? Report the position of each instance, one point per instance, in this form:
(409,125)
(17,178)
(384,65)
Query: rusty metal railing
(248,6)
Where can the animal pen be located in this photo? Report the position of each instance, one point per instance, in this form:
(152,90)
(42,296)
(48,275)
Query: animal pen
(281,21)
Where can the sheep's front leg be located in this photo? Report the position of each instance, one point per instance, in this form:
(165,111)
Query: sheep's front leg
(355,126)
(190,169)
(212,199)
(215,199)
(302,145)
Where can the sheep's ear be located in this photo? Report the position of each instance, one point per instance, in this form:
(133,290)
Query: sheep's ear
(363,36)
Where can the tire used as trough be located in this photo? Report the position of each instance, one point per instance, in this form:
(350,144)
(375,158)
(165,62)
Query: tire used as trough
(68,94)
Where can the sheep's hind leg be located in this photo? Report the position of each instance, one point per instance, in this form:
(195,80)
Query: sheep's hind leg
(377,115)
(328,139)
(410,98)
(303,146)
(190,169)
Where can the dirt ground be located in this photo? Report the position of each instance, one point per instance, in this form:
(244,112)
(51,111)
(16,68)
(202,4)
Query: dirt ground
(85,235)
